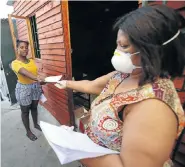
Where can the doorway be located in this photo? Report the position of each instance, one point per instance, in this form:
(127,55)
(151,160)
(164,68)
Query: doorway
(93,40)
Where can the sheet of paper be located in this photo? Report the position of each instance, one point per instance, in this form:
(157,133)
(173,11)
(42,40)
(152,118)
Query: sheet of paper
(59,86)
(53,78)
(70,146)
(43,99)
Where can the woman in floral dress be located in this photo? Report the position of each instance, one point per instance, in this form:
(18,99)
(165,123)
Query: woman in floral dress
(138,111)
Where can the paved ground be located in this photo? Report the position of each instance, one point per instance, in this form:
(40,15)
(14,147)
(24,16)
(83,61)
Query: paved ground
(17,150)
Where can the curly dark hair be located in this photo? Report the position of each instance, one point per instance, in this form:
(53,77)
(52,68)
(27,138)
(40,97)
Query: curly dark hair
(21,41)
(147,29)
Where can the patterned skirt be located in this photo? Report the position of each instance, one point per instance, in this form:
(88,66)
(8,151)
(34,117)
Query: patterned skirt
(25,93)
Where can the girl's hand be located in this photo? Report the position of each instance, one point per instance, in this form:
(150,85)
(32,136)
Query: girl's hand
(41,79)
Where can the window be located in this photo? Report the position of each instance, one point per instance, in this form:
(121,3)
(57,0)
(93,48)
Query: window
(35,36)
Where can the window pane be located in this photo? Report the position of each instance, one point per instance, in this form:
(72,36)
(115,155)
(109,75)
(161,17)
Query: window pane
(35,36)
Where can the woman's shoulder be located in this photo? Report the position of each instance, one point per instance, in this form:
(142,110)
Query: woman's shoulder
(160,87)
(163,90)
(164,87)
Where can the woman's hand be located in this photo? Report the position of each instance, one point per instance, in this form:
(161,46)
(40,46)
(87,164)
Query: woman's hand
(61,84)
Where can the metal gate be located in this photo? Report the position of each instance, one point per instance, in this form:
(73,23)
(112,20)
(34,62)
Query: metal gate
(7,56)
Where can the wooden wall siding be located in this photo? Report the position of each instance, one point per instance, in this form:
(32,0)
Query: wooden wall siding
(50,27)
(54,63)
(53,56)
(50,20)
(53,52)
(25,6)
(49,14)
(57,39)
(53,68)
(53,33)
(172,4)
(30,7)
(16,3)
(19,21)
(176,4)
(47,8)
(22,29)
(52,46)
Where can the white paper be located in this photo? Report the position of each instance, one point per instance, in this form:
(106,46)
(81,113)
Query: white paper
(53,78)
(71,146)
(59,86)
(43,99)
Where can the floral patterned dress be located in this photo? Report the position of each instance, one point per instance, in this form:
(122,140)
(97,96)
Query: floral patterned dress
(105,125)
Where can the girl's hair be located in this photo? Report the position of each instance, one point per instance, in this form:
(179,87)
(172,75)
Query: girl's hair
(20,41)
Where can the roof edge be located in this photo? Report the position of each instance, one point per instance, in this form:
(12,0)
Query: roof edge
(10,2)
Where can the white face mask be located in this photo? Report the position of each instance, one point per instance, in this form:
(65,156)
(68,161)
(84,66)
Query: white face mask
(122,62)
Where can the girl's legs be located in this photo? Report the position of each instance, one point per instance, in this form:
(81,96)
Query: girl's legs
(25,120)
(34,114)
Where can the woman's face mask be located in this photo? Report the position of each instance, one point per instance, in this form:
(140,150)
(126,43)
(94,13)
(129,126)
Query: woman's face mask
(122,62)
